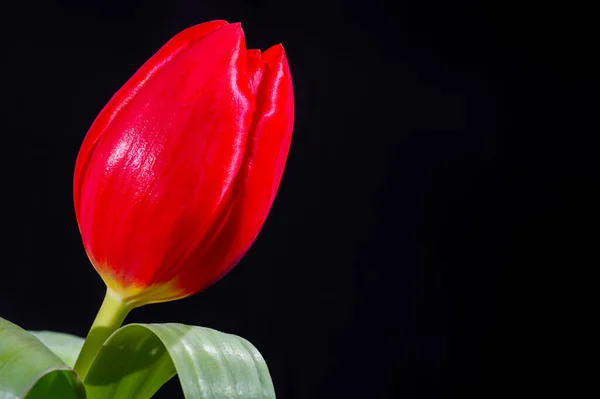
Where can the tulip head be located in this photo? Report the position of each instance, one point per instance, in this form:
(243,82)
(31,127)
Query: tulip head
(178,172)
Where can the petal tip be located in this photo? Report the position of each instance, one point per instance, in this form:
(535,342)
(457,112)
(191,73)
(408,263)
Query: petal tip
(237,26)
(253,53)
(203,28)
(234,29)
(274,54)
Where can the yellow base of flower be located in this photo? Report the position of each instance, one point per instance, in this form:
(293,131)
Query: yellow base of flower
(138,295)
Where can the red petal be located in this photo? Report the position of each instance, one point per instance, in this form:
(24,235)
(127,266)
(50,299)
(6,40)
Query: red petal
(166,158)
(258,179)
(128,92)
(255,69)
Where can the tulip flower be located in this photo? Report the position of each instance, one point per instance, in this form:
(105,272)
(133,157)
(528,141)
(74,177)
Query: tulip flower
(178,172)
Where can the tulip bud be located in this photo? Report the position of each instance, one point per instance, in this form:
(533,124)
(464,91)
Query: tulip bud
(178,172)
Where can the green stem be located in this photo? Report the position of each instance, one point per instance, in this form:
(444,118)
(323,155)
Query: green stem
(109,318)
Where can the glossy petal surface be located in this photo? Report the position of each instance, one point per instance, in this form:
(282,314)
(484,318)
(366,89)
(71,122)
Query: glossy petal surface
(178,172)
(258,180)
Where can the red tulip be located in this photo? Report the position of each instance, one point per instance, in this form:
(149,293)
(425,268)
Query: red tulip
(178,172)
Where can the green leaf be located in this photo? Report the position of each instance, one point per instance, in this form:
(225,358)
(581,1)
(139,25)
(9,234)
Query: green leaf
(65,346)
(139,358)
(28,369)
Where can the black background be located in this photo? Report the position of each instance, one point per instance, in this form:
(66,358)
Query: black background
(431,183)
